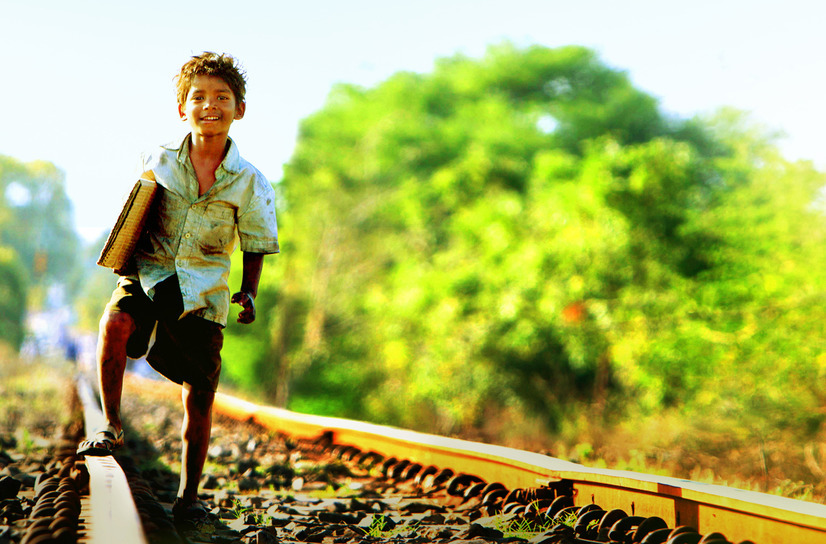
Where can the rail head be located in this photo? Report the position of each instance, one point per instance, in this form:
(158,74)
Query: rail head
(112,514)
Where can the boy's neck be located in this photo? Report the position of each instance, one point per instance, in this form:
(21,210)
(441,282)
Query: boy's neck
(208,147)
(206,155)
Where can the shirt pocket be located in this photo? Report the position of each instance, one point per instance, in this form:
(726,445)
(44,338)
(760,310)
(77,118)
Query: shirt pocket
(219,229)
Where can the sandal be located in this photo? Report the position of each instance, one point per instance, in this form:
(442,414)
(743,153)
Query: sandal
(104,442)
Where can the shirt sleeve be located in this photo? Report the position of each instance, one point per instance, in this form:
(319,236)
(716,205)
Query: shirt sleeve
(257,227)
(147,161)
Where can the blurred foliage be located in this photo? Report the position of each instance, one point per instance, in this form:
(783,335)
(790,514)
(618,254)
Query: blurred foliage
(38,244)
(13,291)
(36,220)
(96,289)
(525,236)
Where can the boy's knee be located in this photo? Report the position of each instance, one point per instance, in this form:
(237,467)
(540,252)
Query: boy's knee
(117,325)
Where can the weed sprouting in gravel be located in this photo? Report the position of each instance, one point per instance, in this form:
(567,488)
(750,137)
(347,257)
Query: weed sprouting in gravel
(569,519)
(519,527)
(376,529)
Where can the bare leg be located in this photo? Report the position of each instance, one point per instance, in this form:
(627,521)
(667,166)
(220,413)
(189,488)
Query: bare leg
(115,329)
(196,431)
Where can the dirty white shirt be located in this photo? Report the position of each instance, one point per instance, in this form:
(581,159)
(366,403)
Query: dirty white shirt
(193,236)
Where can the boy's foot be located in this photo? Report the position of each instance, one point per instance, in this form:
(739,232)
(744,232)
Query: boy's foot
(188,512)
(104,442)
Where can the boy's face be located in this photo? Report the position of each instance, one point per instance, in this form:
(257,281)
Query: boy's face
(210,106)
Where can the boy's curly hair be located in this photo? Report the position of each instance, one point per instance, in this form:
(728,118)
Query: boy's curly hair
(212,64)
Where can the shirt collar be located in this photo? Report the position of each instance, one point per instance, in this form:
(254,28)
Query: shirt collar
(231,163)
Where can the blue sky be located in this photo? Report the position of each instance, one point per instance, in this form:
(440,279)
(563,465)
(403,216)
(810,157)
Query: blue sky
(88,84)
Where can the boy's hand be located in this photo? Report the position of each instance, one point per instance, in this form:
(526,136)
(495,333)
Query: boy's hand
(247,315)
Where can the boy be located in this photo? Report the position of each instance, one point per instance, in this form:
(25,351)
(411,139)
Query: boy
(177,280)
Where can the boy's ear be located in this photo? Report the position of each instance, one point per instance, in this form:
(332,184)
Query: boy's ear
(181,112)
(240,109)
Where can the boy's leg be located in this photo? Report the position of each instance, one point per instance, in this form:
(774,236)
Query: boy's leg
(115,329)
(196,430)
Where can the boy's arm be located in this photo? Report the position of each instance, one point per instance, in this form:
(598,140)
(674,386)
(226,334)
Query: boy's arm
(253,263)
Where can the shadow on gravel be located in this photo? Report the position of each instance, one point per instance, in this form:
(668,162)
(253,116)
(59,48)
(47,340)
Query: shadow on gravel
(153,486)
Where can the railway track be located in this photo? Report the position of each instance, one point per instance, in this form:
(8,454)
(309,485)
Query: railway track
(280,477)
(638,499)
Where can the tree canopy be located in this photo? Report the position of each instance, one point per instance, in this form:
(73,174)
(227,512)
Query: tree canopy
(36,218)
(514,237)
(38,243)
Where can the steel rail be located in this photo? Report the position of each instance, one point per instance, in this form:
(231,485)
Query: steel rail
(739,514)
(111,514)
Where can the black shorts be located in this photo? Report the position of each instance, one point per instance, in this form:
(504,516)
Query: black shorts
(186,350)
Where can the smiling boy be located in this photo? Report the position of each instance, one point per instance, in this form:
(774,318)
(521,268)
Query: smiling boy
(177,281)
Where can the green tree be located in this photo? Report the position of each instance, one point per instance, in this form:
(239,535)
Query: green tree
(413,212)
(767,285)
(36,220)
(13,289)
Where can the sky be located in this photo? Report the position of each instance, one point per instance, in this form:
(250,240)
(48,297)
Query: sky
(88,85)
